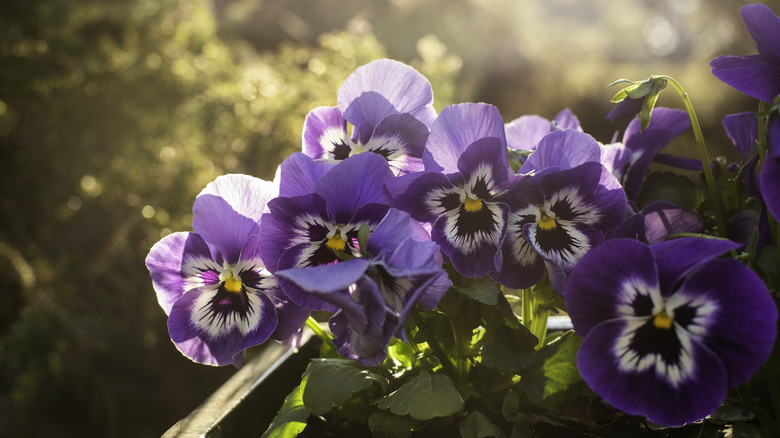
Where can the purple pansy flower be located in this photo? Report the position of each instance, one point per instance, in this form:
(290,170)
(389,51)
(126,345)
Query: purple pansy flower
(524,132)
(560,212)
(390,106)
(467,167)
(319,227)
(375,292)
(668,328)
(755,75)
(212,283)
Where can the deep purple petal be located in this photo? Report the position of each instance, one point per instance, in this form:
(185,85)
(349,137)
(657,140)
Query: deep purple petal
(742,129)
(736,315)
(674,120)
(326,279)
(564,150)
(364,342)
(172,261)
(628,107)
(676,258)
(664,218)
(298,173)
(607,281)
(353,183)
(325,134)
(650,392)
(428,196)
(524,132)
(383,87)
(485,162)
(209,327)
(753,75)
(228,211)
(455,129)
(770,185)
(678,162)
(764,27)
(563,245)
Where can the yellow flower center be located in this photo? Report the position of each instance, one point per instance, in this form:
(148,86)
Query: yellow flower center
(336,242)
(662,321)
(546,223)
(232,283)
(472,205)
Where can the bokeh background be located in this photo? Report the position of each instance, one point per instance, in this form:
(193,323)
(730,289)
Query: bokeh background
(114,114)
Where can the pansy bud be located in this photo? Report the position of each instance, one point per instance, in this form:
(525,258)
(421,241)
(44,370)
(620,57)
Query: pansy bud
(637,99)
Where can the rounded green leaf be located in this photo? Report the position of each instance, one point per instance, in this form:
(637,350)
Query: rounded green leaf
(424,397)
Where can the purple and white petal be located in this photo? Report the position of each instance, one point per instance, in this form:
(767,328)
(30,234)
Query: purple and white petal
(671,379)
(484,167)
(616,279)
(563,243)
(709,302)
(325,134)
(400,138)
(457,127)
(429,196)
(228,211)
(521,266)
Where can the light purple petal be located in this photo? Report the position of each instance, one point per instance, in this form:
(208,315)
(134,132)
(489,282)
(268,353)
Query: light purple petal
(664,218)
(564,150)
(383,87)
(649,392)
(608,278)
(736,317)
(566,120)
(169,261)
(228,211)
(764,27)
(325,133)
(524,132)
(326,279)
(298,173)
(455,129)
(394,228)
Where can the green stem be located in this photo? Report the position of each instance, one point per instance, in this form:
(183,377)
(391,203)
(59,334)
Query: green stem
(534,316)
(439,352)
(705,158)
(319,331)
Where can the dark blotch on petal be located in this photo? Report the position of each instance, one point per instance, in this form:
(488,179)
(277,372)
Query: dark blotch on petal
(474,222)
(651,340)
(643,305)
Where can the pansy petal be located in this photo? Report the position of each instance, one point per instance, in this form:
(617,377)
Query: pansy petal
(472,239)
(676,258)
(720,293)
(210,325)
(764,27)
(325,134)
(770,185)
(395,227)
(521,265)
(628,107)
(524,132)
(326,279)
(670,394)
(428,196)
(564,150)
(362,342)
(484,166)
(400,138)
(664,218)
(564,244)
(753,75)
(742,129)
(609,281)
(353,183)
(383,87)
(566,119)
(173,261)
(228,211)
(298,173)
(455,129)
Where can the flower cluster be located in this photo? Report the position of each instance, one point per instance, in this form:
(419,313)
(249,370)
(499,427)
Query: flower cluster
(412,220)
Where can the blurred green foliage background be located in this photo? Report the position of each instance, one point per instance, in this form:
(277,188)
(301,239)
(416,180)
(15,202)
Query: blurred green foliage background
(114,114)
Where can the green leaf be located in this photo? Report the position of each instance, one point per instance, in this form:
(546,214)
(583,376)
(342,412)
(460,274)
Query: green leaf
(670,187)
(554,373)
(292,416)
(331,382)
(424,397)
(510,350)
(384,424)
(482,289)
(477,425)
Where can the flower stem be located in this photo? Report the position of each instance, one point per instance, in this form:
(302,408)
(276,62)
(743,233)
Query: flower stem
(319,331)
(534,317)
(705,158)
